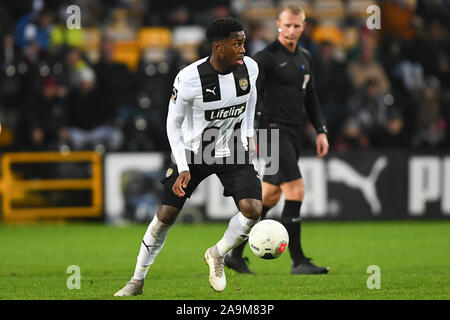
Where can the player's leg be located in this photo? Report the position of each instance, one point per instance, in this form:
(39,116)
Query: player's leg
(234,259)
(243,184)
(271,194)
(154,239)
(237,232)
(156,233)
(240,225)
(151,245)
(294,192)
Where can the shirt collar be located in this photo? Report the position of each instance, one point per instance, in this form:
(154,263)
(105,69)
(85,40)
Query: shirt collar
(212,70)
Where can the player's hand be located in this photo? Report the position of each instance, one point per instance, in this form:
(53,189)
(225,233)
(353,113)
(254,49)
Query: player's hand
(322,145)
(181,183)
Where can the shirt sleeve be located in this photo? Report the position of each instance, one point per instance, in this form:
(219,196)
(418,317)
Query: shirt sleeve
(263,60)
(312,104)
(179,102)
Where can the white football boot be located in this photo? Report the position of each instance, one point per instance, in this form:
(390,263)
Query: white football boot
(217,278)
(132,288)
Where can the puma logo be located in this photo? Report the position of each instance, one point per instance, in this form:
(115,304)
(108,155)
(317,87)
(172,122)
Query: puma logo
(213,91)
(340,171)
(146,246)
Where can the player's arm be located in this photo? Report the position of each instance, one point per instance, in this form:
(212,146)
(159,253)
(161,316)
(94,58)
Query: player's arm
(175,117)
(312,106)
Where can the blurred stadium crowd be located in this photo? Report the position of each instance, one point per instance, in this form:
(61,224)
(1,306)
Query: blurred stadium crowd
(106,86)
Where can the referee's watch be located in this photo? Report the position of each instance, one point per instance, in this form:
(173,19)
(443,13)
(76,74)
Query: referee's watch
(322,129)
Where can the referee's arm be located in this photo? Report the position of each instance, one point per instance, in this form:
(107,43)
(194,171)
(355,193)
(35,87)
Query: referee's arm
(312,106)
(263,60)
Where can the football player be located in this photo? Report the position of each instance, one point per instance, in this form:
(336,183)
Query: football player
(212,104)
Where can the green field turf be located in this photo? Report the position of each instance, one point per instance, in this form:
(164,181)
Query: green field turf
(413,257)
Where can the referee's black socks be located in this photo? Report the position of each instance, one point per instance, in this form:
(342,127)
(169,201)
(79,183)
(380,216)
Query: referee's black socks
(290,217)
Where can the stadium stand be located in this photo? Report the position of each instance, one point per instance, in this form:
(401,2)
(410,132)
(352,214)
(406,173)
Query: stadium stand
(154,51)
(379,89)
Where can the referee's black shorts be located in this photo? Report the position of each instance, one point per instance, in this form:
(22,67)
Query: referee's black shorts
(288,154)
(240,181)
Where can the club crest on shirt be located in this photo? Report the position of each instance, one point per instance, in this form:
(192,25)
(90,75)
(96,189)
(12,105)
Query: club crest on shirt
(243,83)
(174,94)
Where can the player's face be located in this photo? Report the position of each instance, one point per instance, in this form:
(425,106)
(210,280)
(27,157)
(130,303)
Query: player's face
(233,50)
(291,26)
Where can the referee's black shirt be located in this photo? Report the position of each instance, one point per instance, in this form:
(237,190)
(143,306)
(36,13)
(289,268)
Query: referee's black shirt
(286,87)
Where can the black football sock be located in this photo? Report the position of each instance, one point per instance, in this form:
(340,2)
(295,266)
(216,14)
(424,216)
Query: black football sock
(290,217)
(237,252)
(264,211)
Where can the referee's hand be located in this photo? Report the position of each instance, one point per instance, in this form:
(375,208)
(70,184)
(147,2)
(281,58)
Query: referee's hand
(322,145)
(181,184)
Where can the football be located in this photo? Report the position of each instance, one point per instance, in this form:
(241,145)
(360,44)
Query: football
(268,239)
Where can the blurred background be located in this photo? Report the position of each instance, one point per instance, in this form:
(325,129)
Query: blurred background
(83,111)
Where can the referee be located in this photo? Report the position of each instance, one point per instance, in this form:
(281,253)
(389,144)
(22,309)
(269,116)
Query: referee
(286,89)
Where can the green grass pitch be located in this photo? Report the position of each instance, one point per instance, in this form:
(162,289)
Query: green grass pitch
(413,257)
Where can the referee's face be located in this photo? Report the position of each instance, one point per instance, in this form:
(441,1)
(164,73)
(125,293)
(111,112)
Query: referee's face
(232,53)
(291,28)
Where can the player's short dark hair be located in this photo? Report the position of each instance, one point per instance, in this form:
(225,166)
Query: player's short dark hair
(222,28)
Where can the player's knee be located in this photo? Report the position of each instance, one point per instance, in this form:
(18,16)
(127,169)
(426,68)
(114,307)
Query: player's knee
(299,193)
(158,228)
(251,208)
(295,192)
(167,214)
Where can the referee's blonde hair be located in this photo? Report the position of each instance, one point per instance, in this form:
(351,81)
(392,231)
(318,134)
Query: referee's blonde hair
(294,9)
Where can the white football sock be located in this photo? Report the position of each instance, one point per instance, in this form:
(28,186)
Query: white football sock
(151,245)
(238,229)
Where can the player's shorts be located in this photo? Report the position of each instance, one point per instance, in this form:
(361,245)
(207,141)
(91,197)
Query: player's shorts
(240,181)
(289,153)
